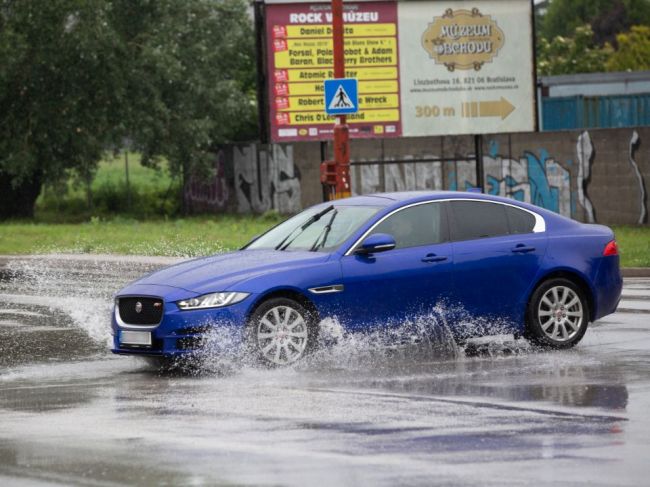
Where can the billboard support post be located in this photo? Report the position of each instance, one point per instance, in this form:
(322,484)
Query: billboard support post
(478,151)
(341,131)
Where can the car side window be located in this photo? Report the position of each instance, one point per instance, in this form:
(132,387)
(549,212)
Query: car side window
(475,219)
(519,221)
(424,224)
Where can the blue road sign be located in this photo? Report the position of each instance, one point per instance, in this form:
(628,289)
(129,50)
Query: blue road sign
(341,96)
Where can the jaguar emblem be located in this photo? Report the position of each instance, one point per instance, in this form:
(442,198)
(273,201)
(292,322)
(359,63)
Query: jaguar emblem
(138,307)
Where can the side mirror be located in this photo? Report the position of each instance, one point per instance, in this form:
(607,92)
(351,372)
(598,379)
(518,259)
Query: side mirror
(379,242)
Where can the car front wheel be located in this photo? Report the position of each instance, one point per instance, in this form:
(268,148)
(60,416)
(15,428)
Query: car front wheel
(558,314)
(281,332)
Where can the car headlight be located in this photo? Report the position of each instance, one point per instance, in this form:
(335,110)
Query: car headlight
(212,300)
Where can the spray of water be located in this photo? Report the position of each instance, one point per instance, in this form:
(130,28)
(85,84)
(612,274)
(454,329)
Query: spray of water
(426,338)
(84,291)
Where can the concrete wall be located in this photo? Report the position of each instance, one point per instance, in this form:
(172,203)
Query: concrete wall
(595,175)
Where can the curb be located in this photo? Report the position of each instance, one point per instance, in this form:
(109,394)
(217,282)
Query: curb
(635,271)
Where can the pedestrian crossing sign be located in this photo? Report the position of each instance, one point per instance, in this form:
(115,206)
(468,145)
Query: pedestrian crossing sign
(341,96)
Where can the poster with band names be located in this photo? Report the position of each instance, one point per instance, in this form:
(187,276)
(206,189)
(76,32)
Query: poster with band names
(426,67)
(300,58)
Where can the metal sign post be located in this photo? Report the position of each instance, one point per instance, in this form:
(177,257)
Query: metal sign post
(335,175)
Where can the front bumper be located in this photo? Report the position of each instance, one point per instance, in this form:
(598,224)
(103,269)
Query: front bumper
(183,332)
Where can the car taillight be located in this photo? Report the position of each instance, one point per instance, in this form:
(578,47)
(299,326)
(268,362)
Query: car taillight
(610,249)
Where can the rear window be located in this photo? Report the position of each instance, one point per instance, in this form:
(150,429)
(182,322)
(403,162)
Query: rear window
(474,219)
(519,221)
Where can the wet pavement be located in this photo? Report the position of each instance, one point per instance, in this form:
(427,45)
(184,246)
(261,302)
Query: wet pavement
(73,414)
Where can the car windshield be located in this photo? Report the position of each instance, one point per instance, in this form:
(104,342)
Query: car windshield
(317,229)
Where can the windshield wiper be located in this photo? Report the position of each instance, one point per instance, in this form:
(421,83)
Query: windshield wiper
(325,233)
(314,218)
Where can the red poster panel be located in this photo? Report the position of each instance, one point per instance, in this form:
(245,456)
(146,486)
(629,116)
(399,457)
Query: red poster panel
(300,58)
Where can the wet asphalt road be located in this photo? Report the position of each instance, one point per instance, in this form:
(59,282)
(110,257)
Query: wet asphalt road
(71,413)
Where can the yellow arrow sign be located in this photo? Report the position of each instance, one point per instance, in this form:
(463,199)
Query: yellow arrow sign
(501,108)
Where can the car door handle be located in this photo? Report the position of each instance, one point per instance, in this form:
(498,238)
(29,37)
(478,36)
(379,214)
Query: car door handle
(522,249)
(433,258)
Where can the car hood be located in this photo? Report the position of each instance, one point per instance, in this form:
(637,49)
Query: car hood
(221,272)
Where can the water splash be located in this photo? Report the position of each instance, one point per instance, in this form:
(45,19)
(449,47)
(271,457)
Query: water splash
(425,338)
(83,288)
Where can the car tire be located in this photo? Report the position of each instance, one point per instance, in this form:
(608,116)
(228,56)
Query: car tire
(281,332)
(557,315)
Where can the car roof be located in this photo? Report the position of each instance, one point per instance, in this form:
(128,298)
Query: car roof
(388,199)
(420,195)
(402,198)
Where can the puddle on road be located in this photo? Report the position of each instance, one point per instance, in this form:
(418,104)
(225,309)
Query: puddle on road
(70,305)
(42,334)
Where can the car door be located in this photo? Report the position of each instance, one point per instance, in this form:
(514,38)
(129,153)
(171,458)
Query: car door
(386,287)
(498,250)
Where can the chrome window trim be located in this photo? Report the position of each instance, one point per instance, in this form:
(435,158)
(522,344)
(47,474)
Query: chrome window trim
(540,223)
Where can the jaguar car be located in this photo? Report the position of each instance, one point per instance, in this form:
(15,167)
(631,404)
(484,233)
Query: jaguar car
(374,261)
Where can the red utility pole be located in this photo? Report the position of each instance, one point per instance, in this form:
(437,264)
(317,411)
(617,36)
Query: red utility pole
(335,175)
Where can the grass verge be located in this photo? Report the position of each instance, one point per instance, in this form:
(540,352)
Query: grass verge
(634,245)
(183,237)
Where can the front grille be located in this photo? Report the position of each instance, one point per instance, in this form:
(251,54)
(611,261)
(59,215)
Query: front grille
(151,310)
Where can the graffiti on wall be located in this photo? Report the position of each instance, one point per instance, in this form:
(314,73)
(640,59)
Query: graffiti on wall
(374,178)
(248,179)
(635,141)
(535,176)
(211,194)
(583,174)
(585,152)
(266,179)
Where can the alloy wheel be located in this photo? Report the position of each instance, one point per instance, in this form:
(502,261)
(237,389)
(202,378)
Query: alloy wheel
(560,313)
(282,335)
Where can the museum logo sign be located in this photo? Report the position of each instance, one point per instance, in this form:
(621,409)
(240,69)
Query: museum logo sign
(463,39)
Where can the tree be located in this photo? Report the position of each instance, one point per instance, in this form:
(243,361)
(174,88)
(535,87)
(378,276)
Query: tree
(607,17)
(633,53)
(55,97)
(577,54)
(78,76)
(196,92)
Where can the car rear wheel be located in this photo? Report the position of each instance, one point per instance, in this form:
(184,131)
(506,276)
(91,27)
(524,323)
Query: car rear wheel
(281,332)
(558,314)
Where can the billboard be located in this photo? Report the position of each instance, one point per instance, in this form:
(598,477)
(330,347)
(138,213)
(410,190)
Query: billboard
(424,67)
(466,67)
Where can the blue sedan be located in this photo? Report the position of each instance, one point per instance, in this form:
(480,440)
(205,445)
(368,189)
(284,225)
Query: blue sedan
(375,261)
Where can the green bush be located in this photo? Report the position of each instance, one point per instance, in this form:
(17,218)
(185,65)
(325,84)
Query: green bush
(153,193)
(110,199)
